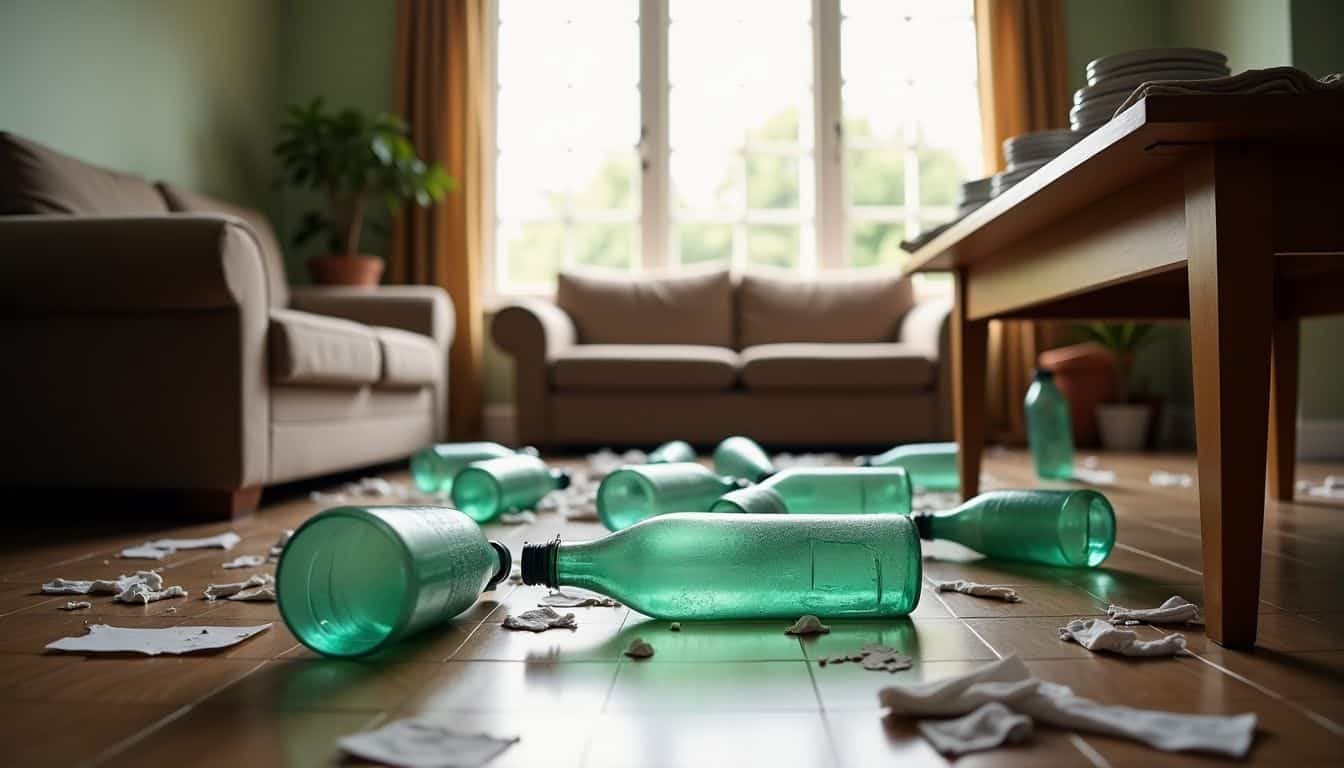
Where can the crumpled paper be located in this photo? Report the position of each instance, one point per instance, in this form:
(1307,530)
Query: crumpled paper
(639,649)
(1097,635)
(260,587)
(151,579)
(1176,610)
(102,638)
(807,624)
(421,743)
(540,620)
(246,561)
(874,657)
(161,548)
(994,591)
(141,593)
(559,598)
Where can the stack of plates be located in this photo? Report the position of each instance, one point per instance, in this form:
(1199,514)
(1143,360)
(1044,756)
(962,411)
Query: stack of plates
(1111,79)
(974,193)
(1027,152)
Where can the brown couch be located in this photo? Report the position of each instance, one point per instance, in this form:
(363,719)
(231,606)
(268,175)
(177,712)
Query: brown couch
(152,341)
(825,362)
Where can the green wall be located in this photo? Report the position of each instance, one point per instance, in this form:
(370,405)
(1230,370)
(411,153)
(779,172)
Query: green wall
(1096,28)
(178,90)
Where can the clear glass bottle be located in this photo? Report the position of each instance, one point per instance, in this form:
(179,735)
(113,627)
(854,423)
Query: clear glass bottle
(733,566)
(742,457)
(674,452)
(1049,433)
(932,466)
(1072,528)
(635,493)
(825,491)
(434,467)
(354,580)
(487,489)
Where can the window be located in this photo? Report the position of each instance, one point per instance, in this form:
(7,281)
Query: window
(802,135)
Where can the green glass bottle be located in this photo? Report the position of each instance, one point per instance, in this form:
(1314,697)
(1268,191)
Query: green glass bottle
(1049,433)
(742,457)
(434,467)
(932,466)
(826,491)
(674,452)
(487,489)
(354,580)
(1073,528)
(731,566)
(635,493)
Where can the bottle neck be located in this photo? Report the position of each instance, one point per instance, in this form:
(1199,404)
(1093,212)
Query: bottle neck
(539,563)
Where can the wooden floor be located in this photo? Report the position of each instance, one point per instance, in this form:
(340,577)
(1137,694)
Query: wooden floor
(714,694)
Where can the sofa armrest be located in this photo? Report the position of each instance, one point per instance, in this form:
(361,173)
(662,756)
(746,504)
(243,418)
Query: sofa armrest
(128,264)
(927,328)
(423,309)
(533,332)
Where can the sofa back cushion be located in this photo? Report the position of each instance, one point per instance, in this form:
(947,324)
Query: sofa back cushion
(273,257)
(680,309)
(850,309)
(42,181)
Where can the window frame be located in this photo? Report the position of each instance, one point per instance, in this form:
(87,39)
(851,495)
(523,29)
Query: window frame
(832,216)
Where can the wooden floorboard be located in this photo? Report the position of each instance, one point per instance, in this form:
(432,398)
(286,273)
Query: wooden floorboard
(740,693)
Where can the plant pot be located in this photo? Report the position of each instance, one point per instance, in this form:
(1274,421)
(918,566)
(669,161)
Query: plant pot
(1124,426)
(346,269)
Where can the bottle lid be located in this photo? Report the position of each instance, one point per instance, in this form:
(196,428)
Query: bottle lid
(863,461)
(1042,374)
(505,565)
(561,477)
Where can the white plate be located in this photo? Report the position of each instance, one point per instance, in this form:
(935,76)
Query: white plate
(1156,66)
(1131,58)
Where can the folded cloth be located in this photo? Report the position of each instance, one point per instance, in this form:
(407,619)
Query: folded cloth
(1098,635)
(1176,610)
(1007,594)
(1290,80)
(540,620)
(1009,683)
(987,727)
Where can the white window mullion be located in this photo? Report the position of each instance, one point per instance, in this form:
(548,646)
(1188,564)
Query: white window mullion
(832,250)
(655,184)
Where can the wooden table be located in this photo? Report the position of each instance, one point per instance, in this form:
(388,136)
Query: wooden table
(1228,210)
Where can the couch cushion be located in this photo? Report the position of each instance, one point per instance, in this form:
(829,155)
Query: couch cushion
(409,359)
(644,367)
(38,180)
(867,308)
(849,367)
(273,256)
(320,350)
(682,309)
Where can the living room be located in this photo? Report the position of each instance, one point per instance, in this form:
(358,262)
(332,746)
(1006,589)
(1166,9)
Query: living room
(591,271)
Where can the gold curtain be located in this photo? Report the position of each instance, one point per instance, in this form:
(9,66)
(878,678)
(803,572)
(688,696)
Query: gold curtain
(1024,86)
(441,94)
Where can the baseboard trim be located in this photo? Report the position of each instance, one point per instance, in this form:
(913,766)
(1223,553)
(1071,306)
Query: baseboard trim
(500,423)
(1320,439)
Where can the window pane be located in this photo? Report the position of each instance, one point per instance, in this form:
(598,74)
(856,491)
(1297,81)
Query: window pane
(772,181)
(707,181)
(705,243)
(773,246)
(533,252)
(940,176)
(876,243)
(875,176)
(604,245)
(606,182)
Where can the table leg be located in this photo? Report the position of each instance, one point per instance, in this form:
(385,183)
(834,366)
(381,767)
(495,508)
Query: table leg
(970,348)
(1283,408)
(1231,274)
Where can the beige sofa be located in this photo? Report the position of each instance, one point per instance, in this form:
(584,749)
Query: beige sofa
(153,342)
(816,363)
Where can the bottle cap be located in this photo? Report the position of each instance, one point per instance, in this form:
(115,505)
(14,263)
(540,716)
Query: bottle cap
(863,461)
(561,477)
(1044,374)
(505,565)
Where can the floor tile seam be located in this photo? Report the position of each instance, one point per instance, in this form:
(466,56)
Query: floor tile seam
(1088,751)
(1264,550)
(1159,558)
(831,745)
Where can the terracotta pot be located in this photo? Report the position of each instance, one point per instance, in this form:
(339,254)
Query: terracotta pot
(346,269)
(1085,373)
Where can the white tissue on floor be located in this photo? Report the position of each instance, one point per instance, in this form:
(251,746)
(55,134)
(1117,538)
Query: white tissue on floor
(994,591)
(807,624)
(377,488)
(604,462)
(161,548)
(523,517)
(245,561)
(1091,473)
(540,620)
(986,727)
(279,546)
(1332,487)
(234,590)
(1176,610)
(1170,479)
(639,649)
(75,605)
(1007,681)
(1097,635)
(559,598)
(152,642)
(152,579)
(420,743)
(142,594)
(874,657)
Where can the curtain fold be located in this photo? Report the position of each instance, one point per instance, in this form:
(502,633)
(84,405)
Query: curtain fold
(1024,86)
(441,94)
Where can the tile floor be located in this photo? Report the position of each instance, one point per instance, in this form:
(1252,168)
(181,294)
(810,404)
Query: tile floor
(715,694)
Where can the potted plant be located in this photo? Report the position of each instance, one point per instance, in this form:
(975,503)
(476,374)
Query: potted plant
(352,158)
(1123,421)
